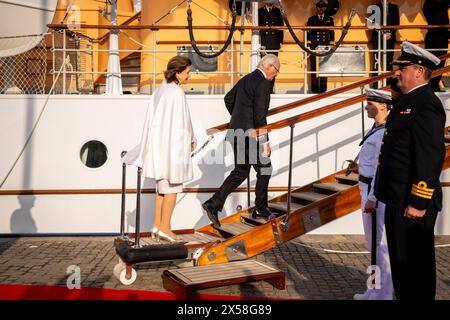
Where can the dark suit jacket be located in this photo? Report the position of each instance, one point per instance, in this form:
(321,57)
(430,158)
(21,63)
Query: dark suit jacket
(413,152)
(393,19)
(271,39)
(320,37)
(248,102)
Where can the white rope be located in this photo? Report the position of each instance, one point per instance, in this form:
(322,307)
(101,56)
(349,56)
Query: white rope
(329,250)
(351,252)
(66,61)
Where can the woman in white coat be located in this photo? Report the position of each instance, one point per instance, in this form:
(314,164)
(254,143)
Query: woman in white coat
(378,105)
(166,145)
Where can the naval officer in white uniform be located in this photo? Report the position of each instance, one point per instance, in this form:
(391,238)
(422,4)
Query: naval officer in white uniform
(378,105)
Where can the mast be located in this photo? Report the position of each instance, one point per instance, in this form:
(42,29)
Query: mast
(254,55)
(113,78)
(385,9)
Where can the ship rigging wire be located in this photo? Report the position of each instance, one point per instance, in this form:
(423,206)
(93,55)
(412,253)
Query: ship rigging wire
(27,141)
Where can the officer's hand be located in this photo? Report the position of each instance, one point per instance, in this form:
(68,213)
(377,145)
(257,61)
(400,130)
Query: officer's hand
(370,207)
(413,213)
(388,35)
(352,167)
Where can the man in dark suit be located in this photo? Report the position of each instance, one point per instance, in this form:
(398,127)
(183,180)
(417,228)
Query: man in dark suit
(269,16)
(318,38)
(436,13)
(407,181)
(392,19)
(248,102)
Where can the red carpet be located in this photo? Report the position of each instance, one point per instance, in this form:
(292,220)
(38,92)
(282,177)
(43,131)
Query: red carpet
(27,292)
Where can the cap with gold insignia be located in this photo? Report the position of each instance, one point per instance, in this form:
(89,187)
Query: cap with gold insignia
(321,3)
(413,54)
(381,96)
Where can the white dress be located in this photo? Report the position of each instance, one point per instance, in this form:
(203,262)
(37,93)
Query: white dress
(164,152)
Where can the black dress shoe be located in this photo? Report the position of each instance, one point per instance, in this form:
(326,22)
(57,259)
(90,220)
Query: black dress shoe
(211,211)
(261,213)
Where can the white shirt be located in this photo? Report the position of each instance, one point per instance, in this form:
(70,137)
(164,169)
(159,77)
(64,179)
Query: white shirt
(320,17)
(264,74)
(368,158)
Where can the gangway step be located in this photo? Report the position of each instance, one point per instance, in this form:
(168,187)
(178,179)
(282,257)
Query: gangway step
(282,206)
(332,186)
(309,196)
(185,280)
(249,217)
(235,228)
(447,138)
(198,237)
(352,177)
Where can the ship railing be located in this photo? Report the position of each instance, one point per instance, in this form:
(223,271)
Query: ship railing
(81,75)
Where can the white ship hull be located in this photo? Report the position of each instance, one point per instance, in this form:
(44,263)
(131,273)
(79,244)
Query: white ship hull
(70,198)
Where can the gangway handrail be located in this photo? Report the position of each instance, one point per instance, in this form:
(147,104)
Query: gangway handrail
(292,121)
(326,109)
(315,98)
(184,27)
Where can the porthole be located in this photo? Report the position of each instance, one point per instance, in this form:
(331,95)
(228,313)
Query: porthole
(93,154)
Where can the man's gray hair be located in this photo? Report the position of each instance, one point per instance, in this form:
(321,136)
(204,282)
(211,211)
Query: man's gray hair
(269,59)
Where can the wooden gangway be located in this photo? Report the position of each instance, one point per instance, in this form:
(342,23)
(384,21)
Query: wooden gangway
(241,237)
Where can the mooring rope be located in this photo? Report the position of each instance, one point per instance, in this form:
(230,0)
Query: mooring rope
(227,42)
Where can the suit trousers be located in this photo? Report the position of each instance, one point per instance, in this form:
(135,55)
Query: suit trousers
(247,153)
(318,84)
(411,252)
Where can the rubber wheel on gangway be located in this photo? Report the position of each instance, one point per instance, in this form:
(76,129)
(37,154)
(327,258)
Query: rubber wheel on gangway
(120,273)
(123,279)
(118,268)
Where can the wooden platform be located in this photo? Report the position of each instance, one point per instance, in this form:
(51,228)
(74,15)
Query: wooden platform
(185,280)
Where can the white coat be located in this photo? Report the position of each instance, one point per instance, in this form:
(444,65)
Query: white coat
(165,148)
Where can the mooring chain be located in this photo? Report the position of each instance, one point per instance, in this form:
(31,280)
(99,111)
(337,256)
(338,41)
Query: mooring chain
(192,38)
(312,52)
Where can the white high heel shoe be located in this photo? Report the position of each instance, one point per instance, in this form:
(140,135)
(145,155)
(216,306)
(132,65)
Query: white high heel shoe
(166,237)
(154,233)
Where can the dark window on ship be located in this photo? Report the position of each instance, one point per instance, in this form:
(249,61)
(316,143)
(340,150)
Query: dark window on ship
(94,154)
